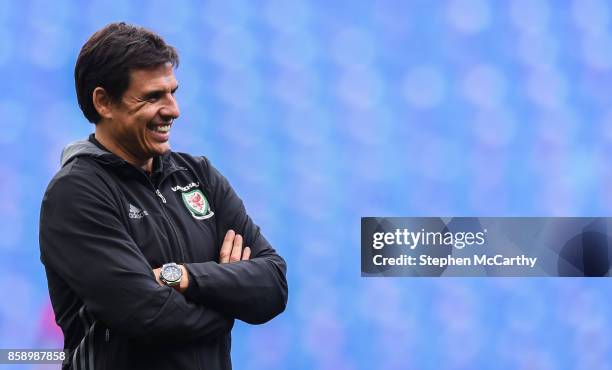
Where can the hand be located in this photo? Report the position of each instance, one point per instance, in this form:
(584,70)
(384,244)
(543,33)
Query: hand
(231,249)
(184,278)
(156,274)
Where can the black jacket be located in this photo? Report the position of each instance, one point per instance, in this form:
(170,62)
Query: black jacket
(106,224)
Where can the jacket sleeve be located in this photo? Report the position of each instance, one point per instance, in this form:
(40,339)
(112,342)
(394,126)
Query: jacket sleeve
(83,240)
(253,291)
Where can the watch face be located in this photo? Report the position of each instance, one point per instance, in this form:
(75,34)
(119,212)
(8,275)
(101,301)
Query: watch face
(171,273)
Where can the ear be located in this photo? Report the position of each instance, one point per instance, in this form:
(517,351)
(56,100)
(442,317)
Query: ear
(102,102)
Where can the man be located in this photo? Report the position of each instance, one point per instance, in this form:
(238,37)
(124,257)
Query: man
(149,253)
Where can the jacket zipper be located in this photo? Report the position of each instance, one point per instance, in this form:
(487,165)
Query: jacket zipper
(170,222)
(107,336)
(168,219)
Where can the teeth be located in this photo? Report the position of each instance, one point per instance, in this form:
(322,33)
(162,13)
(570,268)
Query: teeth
(165,128)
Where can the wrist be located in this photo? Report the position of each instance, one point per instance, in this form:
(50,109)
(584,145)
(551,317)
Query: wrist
(184,284)
(171,274)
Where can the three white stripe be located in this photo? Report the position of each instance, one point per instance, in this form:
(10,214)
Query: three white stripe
(81,349)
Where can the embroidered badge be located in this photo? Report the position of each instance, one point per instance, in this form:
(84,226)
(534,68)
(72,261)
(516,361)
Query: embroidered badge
(197,204)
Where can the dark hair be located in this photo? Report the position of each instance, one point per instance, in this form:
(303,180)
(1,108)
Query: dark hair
(109,56)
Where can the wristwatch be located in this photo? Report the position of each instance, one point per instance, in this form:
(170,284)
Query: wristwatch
(171,274)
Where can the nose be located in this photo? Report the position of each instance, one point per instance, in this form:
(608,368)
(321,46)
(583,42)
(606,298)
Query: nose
(170,110)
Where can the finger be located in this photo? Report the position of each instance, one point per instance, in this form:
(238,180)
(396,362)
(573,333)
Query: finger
(246,254)
(226,247)
(236,249)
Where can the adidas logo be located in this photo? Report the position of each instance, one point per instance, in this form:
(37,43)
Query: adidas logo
(136,212)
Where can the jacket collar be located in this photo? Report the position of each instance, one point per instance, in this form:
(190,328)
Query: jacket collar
(90,147)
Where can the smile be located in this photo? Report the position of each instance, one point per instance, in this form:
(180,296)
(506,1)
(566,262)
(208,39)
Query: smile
(160,128)
(164,128)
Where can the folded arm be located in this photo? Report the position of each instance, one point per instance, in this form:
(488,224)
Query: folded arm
(84,241)
(254,289)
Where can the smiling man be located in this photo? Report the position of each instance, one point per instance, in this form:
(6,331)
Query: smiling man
(149,253)
(138,128)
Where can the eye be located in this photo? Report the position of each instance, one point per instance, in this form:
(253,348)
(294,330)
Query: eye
(153,96)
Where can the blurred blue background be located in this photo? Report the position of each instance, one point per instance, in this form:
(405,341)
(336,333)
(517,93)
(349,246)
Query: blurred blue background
(321,112)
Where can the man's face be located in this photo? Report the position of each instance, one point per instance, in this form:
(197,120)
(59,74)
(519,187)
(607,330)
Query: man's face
(141,122)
